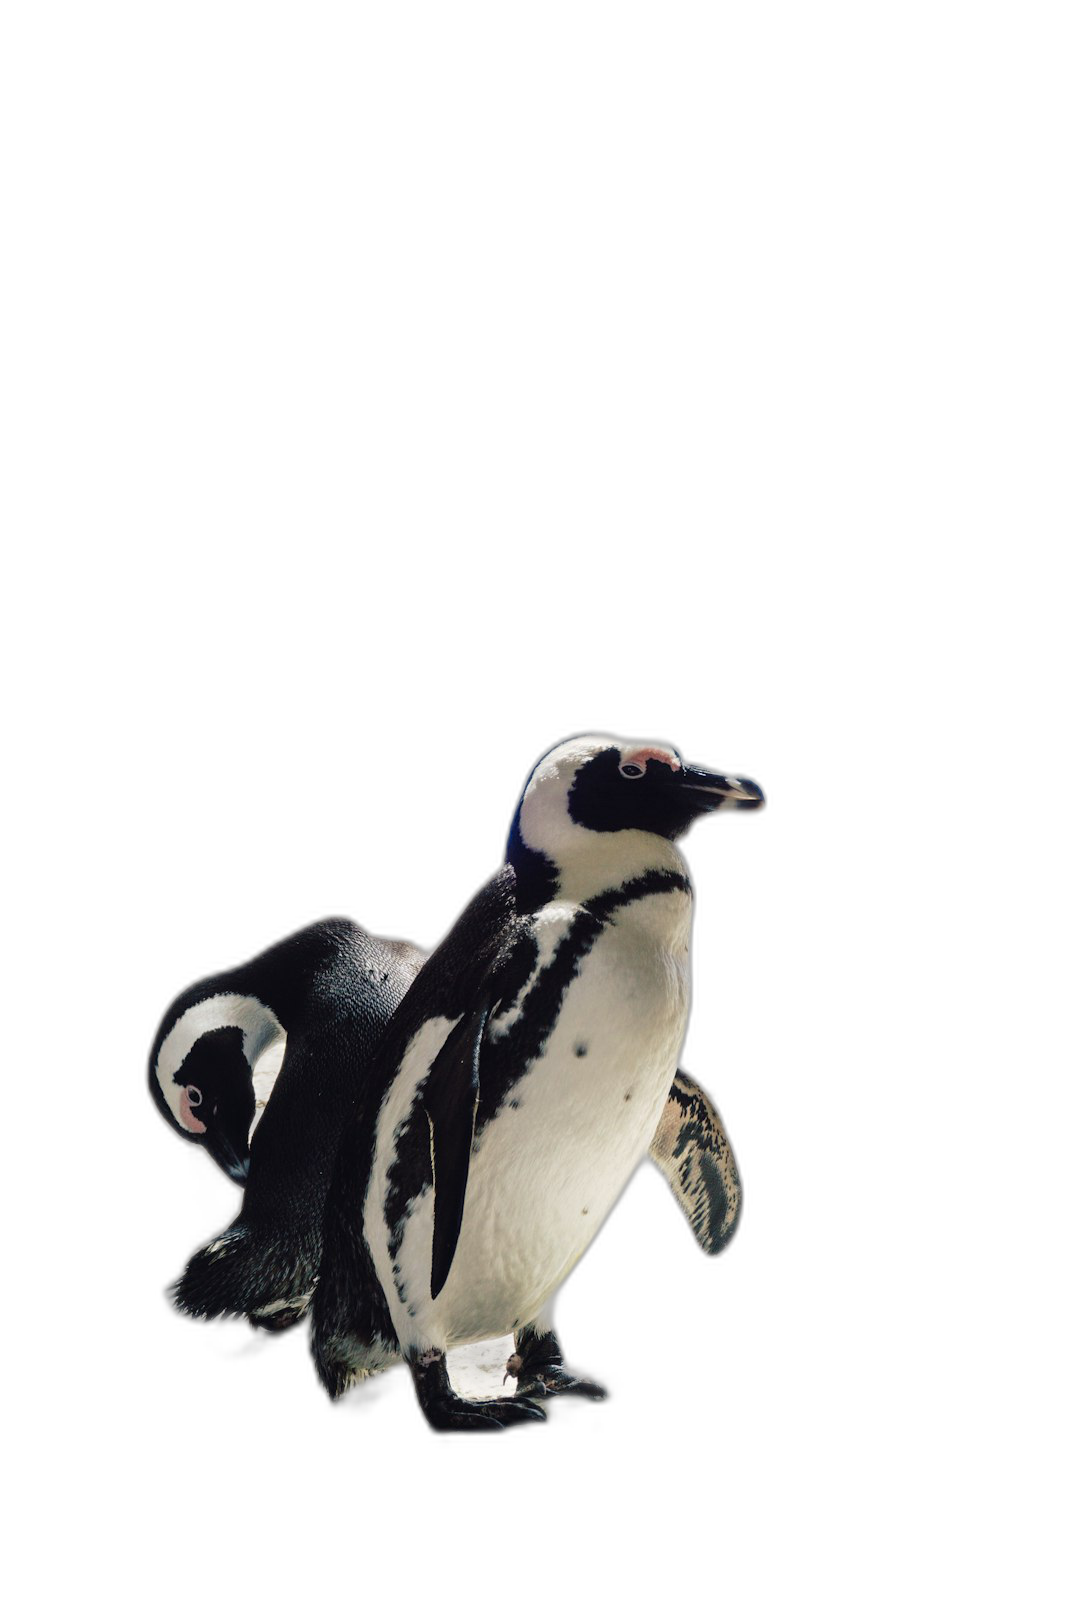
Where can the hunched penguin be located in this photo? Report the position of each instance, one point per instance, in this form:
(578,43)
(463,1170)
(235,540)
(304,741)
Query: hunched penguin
(520,1083)
(260,1065)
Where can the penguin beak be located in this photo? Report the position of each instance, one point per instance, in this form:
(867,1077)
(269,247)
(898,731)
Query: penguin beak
(234,1162)
(708,791)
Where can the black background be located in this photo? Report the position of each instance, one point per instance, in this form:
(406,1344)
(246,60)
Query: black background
(395,814)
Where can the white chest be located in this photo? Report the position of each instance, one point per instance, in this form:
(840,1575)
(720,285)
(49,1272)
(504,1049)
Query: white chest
(547,1170)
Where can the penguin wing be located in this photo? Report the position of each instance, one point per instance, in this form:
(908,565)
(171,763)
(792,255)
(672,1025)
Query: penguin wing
(451,1095)
(694,1155)
(473,971)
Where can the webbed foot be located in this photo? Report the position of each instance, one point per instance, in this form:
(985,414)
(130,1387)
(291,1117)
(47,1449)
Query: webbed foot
(458,1413)
(445,1409)
(544,1381)
(537,1364)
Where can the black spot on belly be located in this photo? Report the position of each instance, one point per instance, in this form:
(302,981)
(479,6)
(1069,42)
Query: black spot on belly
(580,1049)
(507,1057)
(628,1096)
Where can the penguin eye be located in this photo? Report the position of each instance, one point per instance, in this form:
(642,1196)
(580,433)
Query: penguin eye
(194,1096)
(631,770)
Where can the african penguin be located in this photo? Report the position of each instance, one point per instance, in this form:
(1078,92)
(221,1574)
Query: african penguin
(519,1084)
(219,1050)
(259,1065)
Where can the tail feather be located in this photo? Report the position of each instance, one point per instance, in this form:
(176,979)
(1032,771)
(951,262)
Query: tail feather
(247,1272)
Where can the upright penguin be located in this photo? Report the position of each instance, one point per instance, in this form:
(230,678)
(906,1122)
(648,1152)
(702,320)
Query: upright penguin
(296,1026)
(520,1083)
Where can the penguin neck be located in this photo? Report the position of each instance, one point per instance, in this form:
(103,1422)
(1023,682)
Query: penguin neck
(584,864)
(536,874)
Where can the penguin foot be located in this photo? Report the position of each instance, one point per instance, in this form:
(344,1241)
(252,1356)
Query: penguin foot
(537,1364)
(459,1413)
(445,1409)
(541,1382)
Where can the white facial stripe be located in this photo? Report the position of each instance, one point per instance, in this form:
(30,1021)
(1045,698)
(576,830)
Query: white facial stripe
(545,817)
(589,861)
(260,1027)
(265,1072)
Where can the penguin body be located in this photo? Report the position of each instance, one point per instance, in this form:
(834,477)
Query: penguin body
(563,1133)
(260,1065)
(520,1083)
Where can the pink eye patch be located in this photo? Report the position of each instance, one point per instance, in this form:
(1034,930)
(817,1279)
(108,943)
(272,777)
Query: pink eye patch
(642,756)
(187,1118)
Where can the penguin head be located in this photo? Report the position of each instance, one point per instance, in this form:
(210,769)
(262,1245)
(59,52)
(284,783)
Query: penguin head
(641,791)
(213,1065)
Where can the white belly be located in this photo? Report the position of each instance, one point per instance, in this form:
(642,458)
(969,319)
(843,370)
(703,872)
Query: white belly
(547,1170)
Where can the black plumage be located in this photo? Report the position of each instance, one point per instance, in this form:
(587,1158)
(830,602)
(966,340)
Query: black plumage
(333,987)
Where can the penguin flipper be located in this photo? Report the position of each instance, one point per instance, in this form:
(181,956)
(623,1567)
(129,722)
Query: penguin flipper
(692,1151)
(451,1095)
(262,1274)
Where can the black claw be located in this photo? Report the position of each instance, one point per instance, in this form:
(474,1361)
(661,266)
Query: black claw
(516,1410)
(543,1382)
